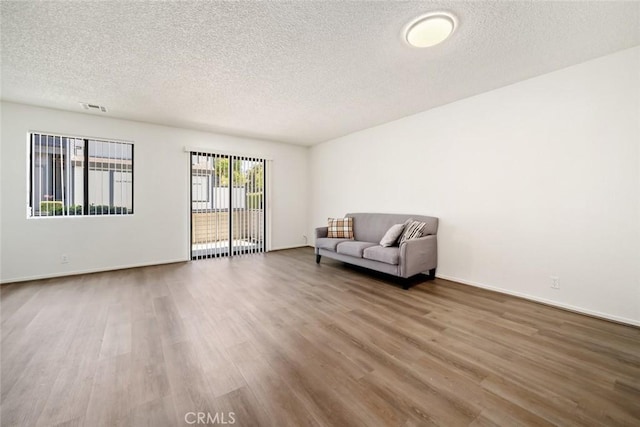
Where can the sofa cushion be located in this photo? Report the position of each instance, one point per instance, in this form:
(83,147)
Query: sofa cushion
(329,243)
(390,255)
(354,248)
(392,234)
(340,228)
(412,231)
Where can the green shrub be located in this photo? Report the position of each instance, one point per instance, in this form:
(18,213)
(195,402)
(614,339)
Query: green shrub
(55,208)
(254,200)
(107,210)
(51,207)
(74,210)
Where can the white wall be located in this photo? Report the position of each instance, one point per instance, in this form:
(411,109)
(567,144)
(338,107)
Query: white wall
(536,179)
(158,232)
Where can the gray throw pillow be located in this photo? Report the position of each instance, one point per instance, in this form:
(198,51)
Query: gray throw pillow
(392,235)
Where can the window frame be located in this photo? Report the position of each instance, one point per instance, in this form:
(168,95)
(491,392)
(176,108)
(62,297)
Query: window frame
(86,212)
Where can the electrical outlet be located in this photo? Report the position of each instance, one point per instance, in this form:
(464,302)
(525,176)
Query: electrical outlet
(555,282)
(64,259)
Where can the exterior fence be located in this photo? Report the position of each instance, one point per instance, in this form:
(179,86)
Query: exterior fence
(213,226)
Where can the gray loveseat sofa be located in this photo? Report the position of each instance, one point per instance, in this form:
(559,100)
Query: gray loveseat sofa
(410,258)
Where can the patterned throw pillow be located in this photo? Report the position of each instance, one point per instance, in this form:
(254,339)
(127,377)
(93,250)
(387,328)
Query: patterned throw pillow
(340,228)
(412,231)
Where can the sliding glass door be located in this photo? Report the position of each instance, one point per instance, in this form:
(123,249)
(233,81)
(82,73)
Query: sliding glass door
(227,205)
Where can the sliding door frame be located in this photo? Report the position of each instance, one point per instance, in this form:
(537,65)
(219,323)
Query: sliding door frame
(232,201)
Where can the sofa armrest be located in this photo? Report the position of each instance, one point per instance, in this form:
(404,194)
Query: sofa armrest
(322,232)
(418,255)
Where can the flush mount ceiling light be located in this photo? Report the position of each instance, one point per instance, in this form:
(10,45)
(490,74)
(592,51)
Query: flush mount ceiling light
(430,29)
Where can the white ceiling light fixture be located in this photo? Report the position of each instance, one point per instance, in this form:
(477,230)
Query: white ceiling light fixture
(430,29)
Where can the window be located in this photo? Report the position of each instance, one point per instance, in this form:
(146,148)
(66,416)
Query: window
(72,176)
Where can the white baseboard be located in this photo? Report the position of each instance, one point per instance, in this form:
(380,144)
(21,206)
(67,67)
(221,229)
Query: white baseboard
(564,306)
(545,301)
(89,271)
(119,267)
(281,248)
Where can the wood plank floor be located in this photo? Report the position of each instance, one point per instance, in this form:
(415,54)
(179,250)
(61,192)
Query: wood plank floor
(276,340)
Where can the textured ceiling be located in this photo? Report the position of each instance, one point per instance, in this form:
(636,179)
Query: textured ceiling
(300,72)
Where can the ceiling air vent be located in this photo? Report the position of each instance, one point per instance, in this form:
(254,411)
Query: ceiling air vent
(93,107)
